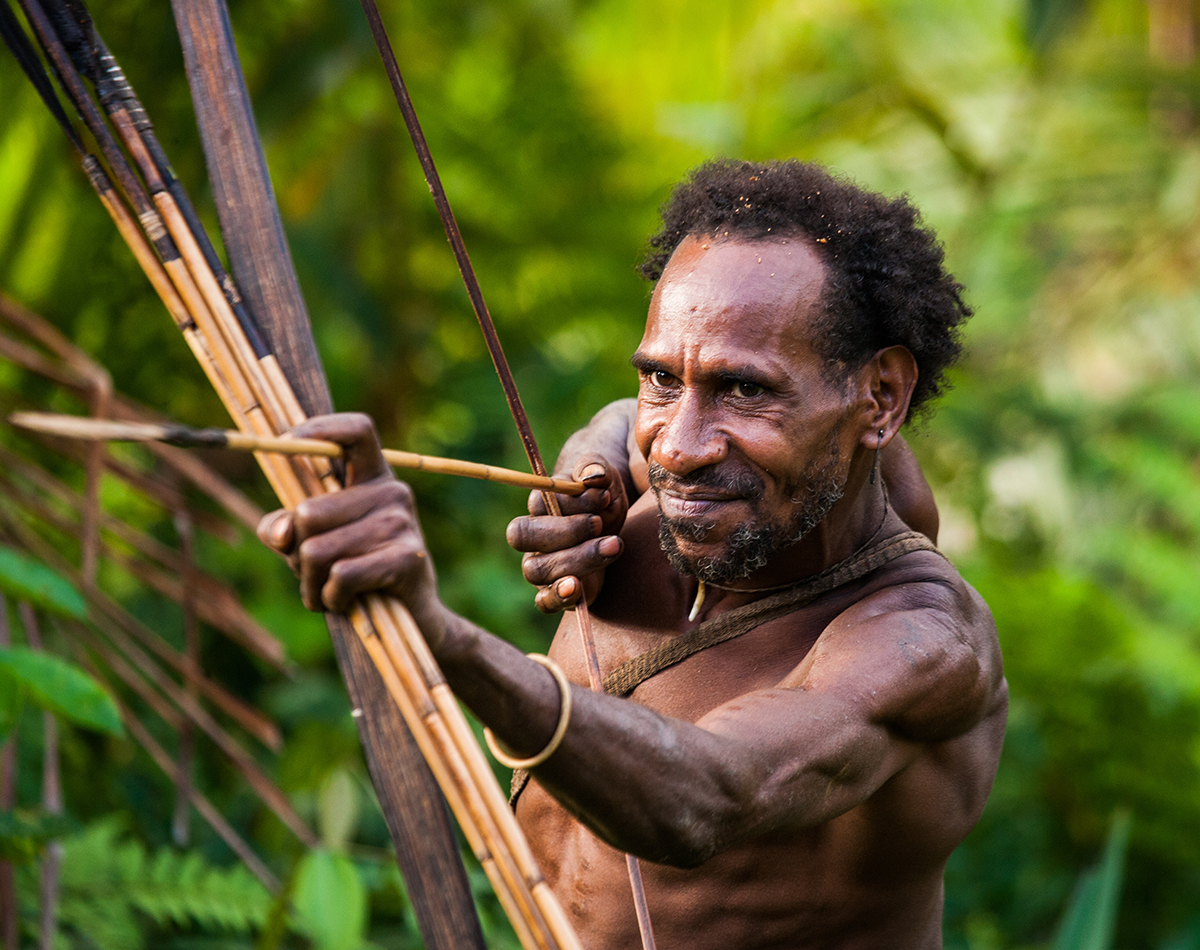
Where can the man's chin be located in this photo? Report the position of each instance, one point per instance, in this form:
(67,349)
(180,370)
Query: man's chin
(711,558)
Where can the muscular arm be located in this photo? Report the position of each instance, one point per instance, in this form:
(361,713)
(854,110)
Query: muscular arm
(890,675)
(898,669)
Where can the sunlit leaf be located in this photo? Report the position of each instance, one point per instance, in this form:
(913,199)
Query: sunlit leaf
(1090,921)
(62,688)
(330,901)
(23,578)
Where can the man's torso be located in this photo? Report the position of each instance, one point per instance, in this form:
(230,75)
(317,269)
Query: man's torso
(869,878)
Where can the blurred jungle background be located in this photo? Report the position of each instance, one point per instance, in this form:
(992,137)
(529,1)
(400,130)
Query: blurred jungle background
(1053,144)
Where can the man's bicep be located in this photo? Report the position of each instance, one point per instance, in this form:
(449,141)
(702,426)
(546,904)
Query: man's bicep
(874,690)
(807,756)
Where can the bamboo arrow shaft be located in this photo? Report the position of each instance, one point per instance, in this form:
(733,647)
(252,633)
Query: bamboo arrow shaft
(76,427)
(408,670)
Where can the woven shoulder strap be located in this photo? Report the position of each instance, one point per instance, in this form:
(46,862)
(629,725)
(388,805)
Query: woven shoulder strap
(628,676)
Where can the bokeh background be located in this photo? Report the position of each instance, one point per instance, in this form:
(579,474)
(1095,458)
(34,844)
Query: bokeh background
(1054,146)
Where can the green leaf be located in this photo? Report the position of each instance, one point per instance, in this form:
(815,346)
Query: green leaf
(23,578)
(110,884)
(1091,918)
(62,688)
(338,808)
(331,902)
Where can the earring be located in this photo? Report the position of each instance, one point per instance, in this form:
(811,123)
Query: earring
(875,459)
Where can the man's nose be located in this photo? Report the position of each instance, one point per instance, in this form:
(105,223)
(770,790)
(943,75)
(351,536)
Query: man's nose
(689,439)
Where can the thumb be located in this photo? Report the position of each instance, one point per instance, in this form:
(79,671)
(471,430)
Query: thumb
(593,470)
(277,531)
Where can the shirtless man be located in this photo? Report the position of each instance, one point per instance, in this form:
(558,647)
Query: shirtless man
(801,782)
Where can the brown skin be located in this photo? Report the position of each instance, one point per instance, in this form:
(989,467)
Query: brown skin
(582,543)
(801,786)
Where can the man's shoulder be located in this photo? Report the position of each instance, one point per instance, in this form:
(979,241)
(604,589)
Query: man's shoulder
(920,642)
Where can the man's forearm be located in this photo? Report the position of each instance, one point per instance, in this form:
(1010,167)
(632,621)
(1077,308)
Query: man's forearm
(675,782)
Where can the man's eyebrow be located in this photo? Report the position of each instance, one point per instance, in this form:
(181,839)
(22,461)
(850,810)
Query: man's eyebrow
(747,374)
(647,364)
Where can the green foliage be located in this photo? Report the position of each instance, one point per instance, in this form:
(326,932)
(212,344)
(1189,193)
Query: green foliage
(1052,143)
(24,834)
(1090,920)
(330,901)
(60,687)
(111,885)
(23,578)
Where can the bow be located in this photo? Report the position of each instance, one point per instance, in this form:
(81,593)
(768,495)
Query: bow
(247,373)
(408,794)
(475,293)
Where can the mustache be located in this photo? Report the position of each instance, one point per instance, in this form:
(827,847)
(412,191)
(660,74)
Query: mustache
(735,482)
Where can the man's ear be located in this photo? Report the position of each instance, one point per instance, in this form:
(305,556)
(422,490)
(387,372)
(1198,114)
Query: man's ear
(888,380)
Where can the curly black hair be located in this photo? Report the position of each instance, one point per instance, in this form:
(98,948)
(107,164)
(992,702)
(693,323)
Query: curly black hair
(886,281)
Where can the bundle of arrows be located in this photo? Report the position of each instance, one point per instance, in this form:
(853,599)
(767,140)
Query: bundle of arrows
(226,334)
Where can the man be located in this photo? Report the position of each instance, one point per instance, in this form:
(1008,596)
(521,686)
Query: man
(815,697)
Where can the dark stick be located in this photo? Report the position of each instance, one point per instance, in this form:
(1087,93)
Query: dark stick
(434,181)
(258,255)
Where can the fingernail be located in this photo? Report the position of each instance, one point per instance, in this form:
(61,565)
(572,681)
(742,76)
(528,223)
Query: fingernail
(596,523)
(565,588)
(610,546)
(280,531)
(595,470)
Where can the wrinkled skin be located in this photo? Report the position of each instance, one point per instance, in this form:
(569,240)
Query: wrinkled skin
(800,786)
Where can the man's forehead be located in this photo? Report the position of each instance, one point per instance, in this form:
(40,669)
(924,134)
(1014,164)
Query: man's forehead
(759,287)
(781,274)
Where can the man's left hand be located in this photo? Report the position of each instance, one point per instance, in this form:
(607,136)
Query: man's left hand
(360,540)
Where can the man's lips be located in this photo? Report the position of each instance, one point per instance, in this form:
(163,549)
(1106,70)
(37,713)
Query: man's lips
(693,505)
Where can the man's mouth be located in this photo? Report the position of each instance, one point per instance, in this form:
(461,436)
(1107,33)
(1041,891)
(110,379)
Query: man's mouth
(678,505)
(694,503)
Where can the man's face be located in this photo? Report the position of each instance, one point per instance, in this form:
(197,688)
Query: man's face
(744,437)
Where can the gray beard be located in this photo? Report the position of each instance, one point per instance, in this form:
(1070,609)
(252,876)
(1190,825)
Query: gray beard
(753,543)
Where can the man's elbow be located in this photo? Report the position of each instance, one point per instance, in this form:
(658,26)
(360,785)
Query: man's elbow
(688,832)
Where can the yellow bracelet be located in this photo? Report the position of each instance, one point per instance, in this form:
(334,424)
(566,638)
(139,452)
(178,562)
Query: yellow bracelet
(564,717)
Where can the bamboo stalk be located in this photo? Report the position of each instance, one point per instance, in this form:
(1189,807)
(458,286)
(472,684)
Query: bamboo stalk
(238,381)
(270,794)
(77,427)
(105,613)
(220,606)
(237,844)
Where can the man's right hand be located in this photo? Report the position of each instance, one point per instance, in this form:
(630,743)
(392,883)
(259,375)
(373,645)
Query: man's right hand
(566,556)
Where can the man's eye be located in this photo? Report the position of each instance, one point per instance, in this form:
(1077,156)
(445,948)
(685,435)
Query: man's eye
(659,378)
(744,390)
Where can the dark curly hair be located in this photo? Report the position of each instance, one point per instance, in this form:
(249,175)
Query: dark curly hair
(886,281)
